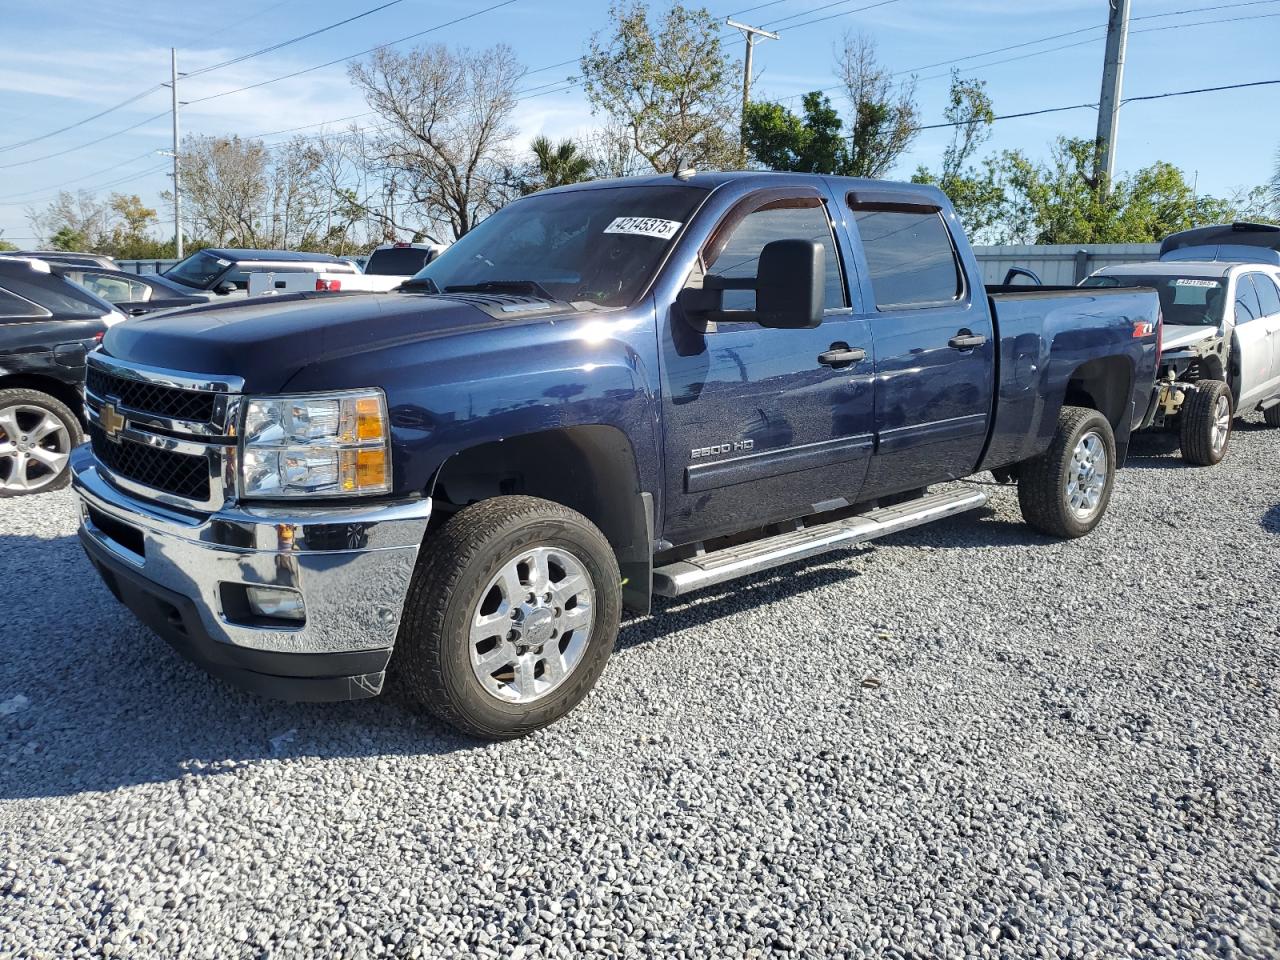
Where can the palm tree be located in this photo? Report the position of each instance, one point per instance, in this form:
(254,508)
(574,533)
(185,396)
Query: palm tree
(556,164)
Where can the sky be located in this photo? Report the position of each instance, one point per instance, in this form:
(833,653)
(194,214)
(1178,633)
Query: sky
(63,61)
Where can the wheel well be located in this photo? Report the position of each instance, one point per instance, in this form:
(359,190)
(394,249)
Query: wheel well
(1105,385)
(590,469)
(65,392)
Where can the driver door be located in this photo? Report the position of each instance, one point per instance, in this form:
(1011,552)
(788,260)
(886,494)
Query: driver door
(762,424)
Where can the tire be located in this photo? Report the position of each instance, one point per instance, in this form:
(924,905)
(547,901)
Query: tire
(1060,491)
(31,460)
(1272,416)
(1203,436)
(460,580)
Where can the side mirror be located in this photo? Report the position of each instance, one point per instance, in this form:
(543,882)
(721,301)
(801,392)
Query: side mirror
(224,288)
(790,288)
(791,284)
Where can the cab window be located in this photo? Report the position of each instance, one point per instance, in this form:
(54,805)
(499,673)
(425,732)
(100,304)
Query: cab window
(910,256)
(1268,296)
(793,218)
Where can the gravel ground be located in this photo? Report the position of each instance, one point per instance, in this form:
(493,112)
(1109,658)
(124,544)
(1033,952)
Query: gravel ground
(965,740)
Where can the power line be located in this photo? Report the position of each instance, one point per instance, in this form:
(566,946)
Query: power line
(9,200)
(1094,106)
(321,66)
(96,187)
(292,40)
(80,123)
(60,153)
(843,13)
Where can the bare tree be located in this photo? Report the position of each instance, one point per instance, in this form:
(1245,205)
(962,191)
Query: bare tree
(73,221)
(447,127)
(226,188)
(885,116)
(611,154)
(671,86)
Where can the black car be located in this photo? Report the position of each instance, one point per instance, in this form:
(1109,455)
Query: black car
(47,326)
(226,270)
(135,294)
(68,256)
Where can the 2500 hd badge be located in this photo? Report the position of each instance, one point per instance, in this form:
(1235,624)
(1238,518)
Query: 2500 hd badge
(737,446)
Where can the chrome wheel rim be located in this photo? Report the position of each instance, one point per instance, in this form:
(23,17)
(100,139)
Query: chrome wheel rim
(532,624)
(1087,476)
(34,448)
(1221,424)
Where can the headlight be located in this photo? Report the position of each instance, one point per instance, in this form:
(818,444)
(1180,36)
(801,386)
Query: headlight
(333,445)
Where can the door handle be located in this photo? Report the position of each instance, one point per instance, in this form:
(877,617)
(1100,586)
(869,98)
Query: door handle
(964,340)
(841,355)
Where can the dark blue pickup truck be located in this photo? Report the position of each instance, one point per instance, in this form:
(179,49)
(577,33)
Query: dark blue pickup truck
(601,393)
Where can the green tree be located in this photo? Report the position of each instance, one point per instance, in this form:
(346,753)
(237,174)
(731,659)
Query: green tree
(780,140)
(6,246)
(1061,202)
(670,85)
(974,191)
(885,118)
(555,165)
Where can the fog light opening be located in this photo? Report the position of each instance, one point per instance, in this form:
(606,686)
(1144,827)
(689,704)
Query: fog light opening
(278,603)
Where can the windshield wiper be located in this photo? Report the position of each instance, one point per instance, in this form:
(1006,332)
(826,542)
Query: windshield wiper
(529,288)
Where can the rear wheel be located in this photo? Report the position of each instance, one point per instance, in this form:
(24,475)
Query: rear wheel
(1272,416)
(1064,492)
(511,616)
(37,434)
(1206,423)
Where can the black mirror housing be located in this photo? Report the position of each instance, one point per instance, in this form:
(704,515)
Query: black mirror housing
(791,284)
(224,288)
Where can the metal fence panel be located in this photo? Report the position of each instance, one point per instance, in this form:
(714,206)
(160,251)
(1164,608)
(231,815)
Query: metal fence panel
(145,266)
(1061,264)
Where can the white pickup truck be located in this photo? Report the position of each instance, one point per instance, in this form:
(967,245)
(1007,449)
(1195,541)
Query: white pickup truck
(1220,296)
(390,265)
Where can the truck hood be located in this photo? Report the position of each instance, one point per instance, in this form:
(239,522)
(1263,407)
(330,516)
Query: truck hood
(267,341)
(1177,337)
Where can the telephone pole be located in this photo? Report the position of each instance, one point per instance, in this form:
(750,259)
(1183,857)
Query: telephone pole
(177,187)
(751,33)
(1112,85)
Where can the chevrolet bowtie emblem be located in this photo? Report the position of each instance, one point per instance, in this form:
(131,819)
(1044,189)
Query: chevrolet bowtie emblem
(111,422)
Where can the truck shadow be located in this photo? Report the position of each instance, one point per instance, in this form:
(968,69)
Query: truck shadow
(90,700)
(1271,520)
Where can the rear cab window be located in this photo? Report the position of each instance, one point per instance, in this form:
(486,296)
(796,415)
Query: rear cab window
(1268,297)
(911,258)
(397,261)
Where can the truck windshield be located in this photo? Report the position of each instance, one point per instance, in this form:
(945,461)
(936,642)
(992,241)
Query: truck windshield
(598,246)
(199,270)
(1184,301)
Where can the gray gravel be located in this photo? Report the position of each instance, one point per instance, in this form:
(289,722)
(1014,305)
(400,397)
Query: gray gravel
(964,740)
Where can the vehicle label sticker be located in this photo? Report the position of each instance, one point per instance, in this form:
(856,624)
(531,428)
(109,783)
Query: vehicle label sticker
(644,227)
(1186,282)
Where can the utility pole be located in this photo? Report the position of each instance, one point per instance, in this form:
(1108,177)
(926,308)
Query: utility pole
(177,187)
(1112,85)
(751,33)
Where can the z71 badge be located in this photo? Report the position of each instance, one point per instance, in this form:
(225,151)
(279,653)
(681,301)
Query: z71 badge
(738,446)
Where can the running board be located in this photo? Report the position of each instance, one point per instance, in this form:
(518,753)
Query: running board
(705,570)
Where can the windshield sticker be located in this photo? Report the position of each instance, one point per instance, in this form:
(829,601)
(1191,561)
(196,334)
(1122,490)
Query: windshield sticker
(644,227)
(1185,282)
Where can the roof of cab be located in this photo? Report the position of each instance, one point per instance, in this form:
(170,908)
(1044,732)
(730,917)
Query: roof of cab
(712,180)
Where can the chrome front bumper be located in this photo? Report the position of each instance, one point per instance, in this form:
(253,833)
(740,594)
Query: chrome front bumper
(352,566)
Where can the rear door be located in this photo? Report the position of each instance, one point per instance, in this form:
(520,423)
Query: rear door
(1252,343)
(1264,285)
(934,344)
(760,424)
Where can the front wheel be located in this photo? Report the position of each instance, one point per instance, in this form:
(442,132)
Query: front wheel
(511,616)
(1206,423)
(1064,492)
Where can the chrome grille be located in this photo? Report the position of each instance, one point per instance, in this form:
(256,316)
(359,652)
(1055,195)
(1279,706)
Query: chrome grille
(161,434)
(144,397)
(180,474)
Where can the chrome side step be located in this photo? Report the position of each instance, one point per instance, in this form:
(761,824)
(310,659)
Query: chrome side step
(685,576)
